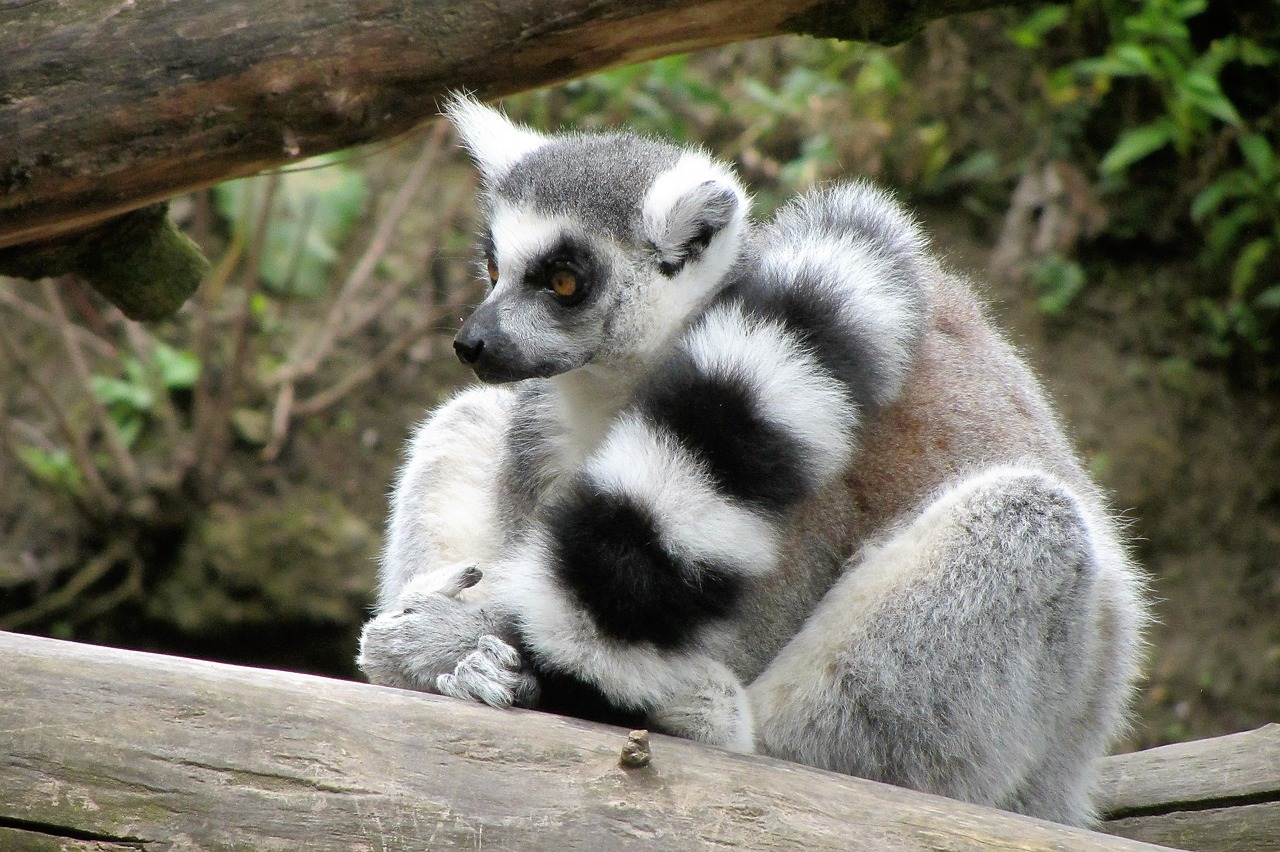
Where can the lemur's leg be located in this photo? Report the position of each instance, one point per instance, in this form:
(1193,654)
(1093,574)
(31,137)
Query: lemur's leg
(433,630)
(974,654)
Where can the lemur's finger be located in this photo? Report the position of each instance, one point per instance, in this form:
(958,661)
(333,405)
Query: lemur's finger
(486,680)
(499,651)
(464,579)
(447,684)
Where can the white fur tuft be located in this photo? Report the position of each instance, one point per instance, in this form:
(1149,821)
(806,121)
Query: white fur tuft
(693,169)
(872,299)
(791,388)
(495,142)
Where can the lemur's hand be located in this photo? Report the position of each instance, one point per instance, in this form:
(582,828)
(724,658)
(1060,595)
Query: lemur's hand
(433,642)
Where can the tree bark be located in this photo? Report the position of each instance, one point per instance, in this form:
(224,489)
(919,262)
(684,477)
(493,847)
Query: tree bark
(110,105)
(110,749)
(1221,794)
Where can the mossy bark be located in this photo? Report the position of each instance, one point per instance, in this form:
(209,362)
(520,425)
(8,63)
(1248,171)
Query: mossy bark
(139,261)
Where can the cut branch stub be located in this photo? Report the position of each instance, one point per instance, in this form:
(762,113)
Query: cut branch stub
(139,261)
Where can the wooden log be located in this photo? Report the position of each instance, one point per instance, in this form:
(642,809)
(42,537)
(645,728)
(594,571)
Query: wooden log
(109,749)
(1221,794)
(109,105)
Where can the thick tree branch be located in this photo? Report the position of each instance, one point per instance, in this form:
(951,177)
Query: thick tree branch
(109,105)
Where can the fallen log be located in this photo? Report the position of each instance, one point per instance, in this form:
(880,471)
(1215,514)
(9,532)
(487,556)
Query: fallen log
(1221,793)
(108,749)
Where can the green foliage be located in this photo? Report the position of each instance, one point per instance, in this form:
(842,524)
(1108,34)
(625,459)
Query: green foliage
(1160,88)
(131,399)
(54,467)
(1058,280)
(1242,210)
(791,114)
(314,211)
(1031,32)
(1151,41)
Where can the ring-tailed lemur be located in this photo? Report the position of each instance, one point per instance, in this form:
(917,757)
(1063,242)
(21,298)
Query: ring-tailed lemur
(773,487)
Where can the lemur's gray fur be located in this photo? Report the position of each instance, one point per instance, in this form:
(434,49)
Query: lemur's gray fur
(773,487)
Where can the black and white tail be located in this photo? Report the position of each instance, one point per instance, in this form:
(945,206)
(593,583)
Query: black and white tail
(758,407)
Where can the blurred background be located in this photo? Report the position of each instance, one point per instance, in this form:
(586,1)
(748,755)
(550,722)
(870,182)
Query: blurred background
(215,485)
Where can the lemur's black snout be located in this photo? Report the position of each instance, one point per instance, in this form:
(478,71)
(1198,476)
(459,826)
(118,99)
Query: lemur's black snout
(468,351)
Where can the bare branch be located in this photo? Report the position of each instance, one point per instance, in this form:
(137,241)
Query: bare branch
(372,367)
(77,444)
(71,593)
(12,300)
(310,351)
(102,418)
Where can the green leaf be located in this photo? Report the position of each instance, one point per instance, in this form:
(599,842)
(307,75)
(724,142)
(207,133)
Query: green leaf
(178,368)
(978,166)
(1202,91)
(1269,299)
(131,396)
(319,202)
(1245,270)
(52,466)
(1212,196)
(1059,280)
(1252,53)
(1030,32)
(1225,230)
(1258,153)
(879,74)
(1135,144)
(1135,59)
(130,428)
(1104,66)
(319,207)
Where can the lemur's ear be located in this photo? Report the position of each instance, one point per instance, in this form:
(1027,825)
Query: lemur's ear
(493,140)
(691,222)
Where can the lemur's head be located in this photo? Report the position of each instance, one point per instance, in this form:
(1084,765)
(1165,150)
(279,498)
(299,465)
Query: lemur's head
(598,247)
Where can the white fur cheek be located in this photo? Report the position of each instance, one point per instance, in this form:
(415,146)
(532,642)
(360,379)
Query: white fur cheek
(694,521)
(788,385)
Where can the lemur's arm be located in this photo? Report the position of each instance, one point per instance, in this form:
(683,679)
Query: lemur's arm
(433,630)
(758,407)
(444,513)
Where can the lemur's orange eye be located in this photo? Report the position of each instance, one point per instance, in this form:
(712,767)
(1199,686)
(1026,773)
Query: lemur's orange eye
(493,271)
(564,283)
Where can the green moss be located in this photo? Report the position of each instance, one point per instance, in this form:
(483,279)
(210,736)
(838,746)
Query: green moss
(139,261)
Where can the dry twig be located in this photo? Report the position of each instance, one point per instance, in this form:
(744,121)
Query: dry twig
(102,498)
(310,352)
(102,419)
